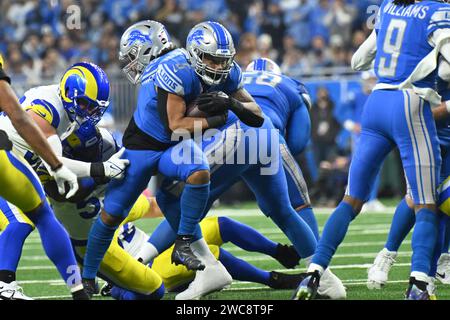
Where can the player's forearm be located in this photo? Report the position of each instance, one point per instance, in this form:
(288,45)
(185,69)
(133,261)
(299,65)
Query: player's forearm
(363,57)
(189,124)
(26,127)
(246,108)
(442,112)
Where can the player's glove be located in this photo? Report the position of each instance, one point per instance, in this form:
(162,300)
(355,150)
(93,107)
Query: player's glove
(62,175)
(115,167)
(217,120)
(213,102)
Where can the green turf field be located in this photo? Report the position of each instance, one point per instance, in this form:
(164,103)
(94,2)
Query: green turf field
(365,238)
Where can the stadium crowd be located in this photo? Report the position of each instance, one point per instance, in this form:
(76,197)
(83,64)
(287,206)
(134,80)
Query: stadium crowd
(301,35)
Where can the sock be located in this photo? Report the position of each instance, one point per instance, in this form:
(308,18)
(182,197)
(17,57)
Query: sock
(193,201)
(7,276)
(56,243)
(297,232)
(123,294)
(333,233)
(242,270)
(423,240)
(439,244)
(147,252)
(11,243)
(402,223)
(307,214)
(445,229)
(201,250)
(245,237)
(99,240)
(163,237)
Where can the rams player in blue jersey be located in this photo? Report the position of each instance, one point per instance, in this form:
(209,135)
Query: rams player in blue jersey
(405,44)
(170,82)
(404,217)
(20,186)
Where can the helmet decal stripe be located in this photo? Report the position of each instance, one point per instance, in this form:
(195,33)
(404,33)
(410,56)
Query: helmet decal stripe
(92,88)
(222,39)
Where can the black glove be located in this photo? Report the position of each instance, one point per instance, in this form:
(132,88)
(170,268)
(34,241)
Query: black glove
(213,102)
(217,120)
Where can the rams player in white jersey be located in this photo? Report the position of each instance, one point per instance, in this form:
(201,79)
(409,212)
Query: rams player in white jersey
(19,185)
(77,102)
(79,212)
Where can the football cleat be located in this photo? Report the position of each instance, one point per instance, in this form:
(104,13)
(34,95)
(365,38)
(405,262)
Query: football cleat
(90,286)
(105,291)
(214,278)
(81,295)
(182,254)
(417,290)
(279,280)
(331,287)
(307,289)
(287,256)
(12,291)
(377,274)
(443,269)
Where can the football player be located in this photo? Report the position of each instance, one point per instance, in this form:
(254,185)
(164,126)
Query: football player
(404,217)
(77,214)
(405,44)
(20,186)
(172,81)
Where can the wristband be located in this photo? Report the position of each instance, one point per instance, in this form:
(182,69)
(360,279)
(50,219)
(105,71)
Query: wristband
(447,106)
(58,166)
(97,170)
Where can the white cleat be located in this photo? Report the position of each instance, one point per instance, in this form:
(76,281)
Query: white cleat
(378,273)
(373,206)
(12,291)
(331,287)
(213,278)
(443,269)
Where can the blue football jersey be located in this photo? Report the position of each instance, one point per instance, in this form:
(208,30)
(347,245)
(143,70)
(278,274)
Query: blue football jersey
(277,95)
(443,126)
(174,74)
(402,39)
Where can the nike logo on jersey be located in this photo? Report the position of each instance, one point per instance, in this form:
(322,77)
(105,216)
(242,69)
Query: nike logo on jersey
(440,275)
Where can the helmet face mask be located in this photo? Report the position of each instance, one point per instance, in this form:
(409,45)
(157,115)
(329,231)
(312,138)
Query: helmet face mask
(140,44)
(211,51)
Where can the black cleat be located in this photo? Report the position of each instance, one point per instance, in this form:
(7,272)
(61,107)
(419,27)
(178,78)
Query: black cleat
(80,295)
(287,256)
(182,254)
(105,291)
(279,280)
(417,290)
(90,286)
(307,289)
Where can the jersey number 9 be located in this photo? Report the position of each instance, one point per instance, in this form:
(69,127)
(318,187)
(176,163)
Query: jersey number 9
(391,47)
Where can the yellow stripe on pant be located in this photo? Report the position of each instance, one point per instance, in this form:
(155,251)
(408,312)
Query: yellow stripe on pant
(19,184)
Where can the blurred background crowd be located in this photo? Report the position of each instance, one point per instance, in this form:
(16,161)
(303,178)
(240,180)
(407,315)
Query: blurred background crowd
(312,40)
(301,35)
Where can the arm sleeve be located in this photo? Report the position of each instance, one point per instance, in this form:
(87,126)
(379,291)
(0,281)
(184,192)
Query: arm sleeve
(80,168)
(364,56)
(444,34)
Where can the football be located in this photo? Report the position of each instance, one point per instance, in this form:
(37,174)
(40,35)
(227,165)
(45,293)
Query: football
(193,111)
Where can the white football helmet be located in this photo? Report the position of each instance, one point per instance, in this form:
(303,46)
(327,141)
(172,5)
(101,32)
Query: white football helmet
(139,44)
